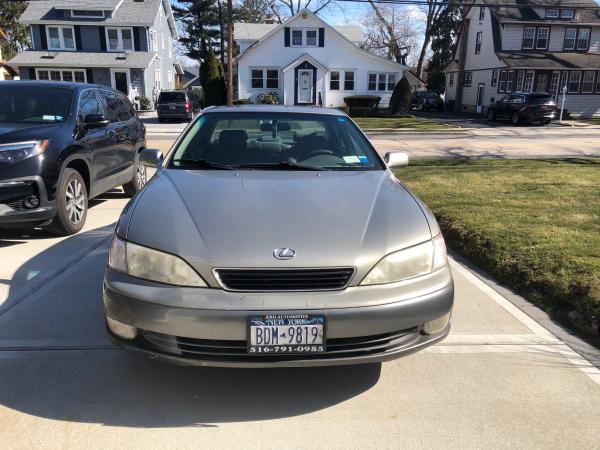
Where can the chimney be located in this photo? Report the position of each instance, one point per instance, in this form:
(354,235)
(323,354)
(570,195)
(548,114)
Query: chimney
(269,18)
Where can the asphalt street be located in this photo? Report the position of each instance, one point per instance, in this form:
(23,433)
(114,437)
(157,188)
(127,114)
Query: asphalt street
(503,378)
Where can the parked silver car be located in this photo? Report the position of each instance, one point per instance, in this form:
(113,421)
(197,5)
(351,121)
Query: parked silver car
(274,236)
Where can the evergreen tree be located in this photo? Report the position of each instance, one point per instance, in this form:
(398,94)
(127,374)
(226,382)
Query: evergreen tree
(18,36)
(252,11)
(212,79)
(400,100)
(442,46)
(200,21)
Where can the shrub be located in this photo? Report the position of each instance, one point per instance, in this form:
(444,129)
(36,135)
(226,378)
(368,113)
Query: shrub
(241,101)
(212,80)
(145,103)
(268,98)
(400,100)
(362,101)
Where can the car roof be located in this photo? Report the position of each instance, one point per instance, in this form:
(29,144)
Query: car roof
(274,108)
(56,84)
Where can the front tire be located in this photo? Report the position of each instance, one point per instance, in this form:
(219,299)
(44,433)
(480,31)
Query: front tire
(491,115)
(139,179)
(71,204)
(515,119)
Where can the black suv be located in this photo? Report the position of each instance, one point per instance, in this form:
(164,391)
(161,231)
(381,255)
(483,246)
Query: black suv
(520,108)
(426,100)
(61,144)
(181,105)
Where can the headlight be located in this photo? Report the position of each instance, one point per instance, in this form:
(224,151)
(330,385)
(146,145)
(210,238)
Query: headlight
(411,262)
(149,264)
(18,151)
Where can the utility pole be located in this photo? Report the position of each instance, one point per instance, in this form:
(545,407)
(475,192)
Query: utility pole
(229,53)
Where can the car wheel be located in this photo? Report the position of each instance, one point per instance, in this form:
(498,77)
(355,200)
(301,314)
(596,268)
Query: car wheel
(491,115)
(71,204)
(420,107)
(545,122)
(514,119)
(140,177)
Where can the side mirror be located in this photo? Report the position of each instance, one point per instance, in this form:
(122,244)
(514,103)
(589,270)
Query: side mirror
(395,160)
(151,157)
(95,121)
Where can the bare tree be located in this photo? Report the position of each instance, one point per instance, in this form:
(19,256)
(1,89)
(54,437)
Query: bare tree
(390,32)
(282,9)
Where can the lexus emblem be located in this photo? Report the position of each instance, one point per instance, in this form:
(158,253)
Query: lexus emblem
(284,253)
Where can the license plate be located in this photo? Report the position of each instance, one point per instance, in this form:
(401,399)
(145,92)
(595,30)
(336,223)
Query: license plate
(286,333)
(171,106)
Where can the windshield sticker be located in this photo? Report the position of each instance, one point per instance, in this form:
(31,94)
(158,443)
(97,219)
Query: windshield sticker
(341,119)
(52,118)
(351,159)
(363,159)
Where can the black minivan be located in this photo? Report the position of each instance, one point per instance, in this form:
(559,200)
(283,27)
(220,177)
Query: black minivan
(60,145)
(182,105)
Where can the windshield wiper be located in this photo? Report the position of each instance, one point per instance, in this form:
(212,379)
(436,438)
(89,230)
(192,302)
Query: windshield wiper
(287,165)
(202,164)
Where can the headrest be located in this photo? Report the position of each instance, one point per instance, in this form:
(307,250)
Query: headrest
(232,140)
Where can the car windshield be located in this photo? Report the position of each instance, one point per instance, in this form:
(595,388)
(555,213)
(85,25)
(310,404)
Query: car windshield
(34,104)
(171,97)
(275,141)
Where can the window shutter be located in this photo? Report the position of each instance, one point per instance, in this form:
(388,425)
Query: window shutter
(136,39)
(321,37)
(89,74)
(78,37)
(32,73)
(286,36)
(102,38)
(43,40)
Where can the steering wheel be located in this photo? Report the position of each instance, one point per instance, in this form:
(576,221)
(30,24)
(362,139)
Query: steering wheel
(320,152)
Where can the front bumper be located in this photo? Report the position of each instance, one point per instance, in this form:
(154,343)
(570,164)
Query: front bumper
(13,209)
(387,327)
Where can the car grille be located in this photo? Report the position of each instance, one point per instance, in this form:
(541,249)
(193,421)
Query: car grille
(284,279)
(214,350)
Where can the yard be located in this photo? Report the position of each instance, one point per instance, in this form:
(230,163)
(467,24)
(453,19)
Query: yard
(532,224)
(401,123)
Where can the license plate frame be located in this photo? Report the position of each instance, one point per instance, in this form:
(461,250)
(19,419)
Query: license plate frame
(303,319)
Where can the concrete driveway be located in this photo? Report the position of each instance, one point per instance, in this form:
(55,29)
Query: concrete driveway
(501,379)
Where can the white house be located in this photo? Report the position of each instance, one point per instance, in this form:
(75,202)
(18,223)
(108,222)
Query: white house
(542,46)
(308,62)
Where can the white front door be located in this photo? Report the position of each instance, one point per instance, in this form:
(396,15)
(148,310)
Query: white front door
(305,85)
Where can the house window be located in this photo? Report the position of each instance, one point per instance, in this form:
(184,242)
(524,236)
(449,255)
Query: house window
(84,14)
(334,81)
(510,80)
(552,14)
(468,79)
(296,38)
(574,79)
(542,38)
(261,78)
(554,83)
(502,81)
(152,37)
(157,80)
(311,38)
(481,12)
(256,81)
(119,39)
(583,38)
(569,42)
(566,13)
(528,37)
(61,75)
(451,80)
(494,81)
(372,82)
(528,84)
(520,81)
(598,83)
(478,42)
(541,84)
(587,84)
(349,81)
(60,38)
(272,78)
(380,81)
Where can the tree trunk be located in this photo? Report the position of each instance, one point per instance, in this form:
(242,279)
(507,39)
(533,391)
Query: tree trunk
(422,55)
(229,53)
(222,36)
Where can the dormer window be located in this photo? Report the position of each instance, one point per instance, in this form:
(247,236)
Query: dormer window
(60,38)
(542,38)
(297,38)
(567,13)
(583,39)
(528,38)
(304,37)
(87,14)
(552,14)
(119,39)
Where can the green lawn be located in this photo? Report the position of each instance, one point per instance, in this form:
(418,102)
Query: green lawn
(407,123)
(533,225)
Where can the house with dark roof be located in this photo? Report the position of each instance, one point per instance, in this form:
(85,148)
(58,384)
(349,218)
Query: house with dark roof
(126,44)
(511,46)
(306,61)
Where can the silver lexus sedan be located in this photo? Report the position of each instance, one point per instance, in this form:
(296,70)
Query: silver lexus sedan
(273,237)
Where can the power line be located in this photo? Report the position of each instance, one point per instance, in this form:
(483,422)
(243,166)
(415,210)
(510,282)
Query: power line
(476,3)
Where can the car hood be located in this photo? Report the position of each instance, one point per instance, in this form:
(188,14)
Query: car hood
(236,219)
(15,132)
